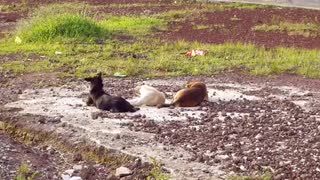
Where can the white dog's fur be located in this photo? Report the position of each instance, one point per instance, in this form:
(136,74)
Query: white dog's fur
(149,96)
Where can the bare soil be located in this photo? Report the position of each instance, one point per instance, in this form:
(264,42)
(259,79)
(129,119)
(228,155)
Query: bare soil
(240,29)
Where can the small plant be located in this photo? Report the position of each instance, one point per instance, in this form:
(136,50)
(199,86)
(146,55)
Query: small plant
(157,172)
(267,175)
(24,173)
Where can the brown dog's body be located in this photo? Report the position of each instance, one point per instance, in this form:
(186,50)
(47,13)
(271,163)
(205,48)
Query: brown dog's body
(193,95)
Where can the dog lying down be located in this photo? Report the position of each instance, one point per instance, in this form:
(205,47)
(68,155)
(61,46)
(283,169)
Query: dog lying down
(193,95)
(149,96)
(102,100)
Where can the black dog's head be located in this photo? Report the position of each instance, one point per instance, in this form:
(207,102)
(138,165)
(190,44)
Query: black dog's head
(95,82)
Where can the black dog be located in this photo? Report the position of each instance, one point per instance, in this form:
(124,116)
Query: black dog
(102,100)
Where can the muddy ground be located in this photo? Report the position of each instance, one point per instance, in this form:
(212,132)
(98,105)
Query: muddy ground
(251,124)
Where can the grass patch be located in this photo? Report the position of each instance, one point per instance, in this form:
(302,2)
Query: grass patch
(61,28)
(267,175)
(24,173)
(245,6)
(157,172)
(302,29)
(143,56)
(139,25)
(152,58)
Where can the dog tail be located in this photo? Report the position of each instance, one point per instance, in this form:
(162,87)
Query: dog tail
(164,105)
(134,109)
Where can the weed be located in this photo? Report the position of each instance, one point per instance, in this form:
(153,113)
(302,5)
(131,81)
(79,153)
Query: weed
(24,173)
(157,172)
(267,175)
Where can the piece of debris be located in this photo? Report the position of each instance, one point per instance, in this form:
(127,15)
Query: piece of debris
(196,52)
(117,74)
(76,178)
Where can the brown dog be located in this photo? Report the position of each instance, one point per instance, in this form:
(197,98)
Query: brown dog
(193,95)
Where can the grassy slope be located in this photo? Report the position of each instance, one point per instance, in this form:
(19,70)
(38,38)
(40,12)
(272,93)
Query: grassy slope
(144,54)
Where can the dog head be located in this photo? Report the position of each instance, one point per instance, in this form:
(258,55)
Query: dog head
(95,82)
(200,85)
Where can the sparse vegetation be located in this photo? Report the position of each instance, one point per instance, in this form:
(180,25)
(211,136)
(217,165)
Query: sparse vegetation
(24,173)
(302,29)
(245,6)
(156,172)
(200,27)
(267,175)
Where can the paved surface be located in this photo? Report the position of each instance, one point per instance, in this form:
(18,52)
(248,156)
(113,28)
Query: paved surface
(313,4)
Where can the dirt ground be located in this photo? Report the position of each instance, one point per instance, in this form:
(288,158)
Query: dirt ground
(278,132)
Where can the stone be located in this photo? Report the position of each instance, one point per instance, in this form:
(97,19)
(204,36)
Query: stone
(65,177)
(123,171)
(69,172)
(77,167)
(76,178)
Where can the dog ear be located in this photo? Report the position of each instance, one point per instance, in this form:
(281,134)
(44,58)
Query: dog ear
(88,79)
(99,74)
(189,83)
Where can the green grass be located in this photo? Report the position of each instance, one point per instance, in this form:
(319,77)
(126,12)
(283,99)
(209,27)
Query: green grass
(157,172)
(24,173)
(138,25)
(145,55)
(151,58)
(245,6)
(267,175)
(61,28)
(303,29)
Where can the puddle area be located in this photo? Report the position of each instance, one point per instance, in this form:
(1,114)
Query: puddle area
(68,104)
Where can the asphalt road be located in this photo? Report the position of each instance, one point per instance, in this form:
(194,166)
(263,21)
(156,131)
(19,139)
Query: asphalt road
(313,4)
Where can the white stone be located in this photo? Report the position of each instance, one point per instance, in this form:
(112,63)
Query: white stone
(65,177)
(76,178)
(69,172)
(77,167)
(123,171)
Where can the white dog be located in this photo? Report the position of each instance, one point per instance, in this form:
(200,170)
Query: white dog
(149,96)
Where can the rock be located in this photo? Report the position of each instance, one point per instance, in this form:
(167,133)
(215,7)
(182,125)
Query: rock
(65,177)
(77,167)
(69,172)
(123,171)
(259,136)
